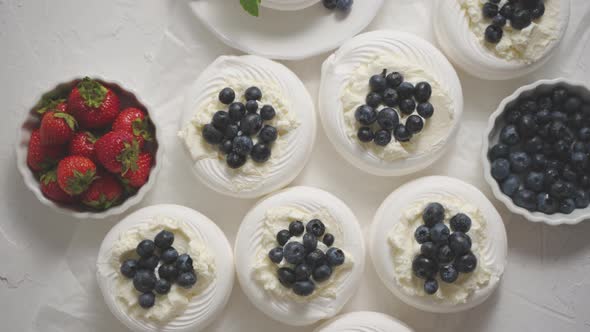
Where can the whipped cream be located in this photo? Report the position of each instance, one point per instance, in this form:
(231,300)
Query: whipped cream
(527,45)
(265,271)
(405,248)
(436,129)
(173,304)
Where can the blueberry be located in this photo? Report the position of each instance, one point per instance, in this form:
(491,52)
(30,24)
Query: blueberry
(251,124)
(500,169)
(551,176)
(567,206)
(322,273)
(405,90)
(164,239)
(129,267)
(187,279)
(562,149)
(445,254)
(303,288)
(424,268)
(260,153)
(433,214)
(365,115)
(268,134)
(162,286)
(335,257)
(572,104)
(267,112)
(425,110)
(439,233)
(519,162)
(310,242)
(344,5)
(328,239)
(534,181)
(422,234)
(221,120)
(315,258)
(377,83)
(538,162)
(276,255)
(528,106)
(235,160)
(493,34)
(575,121)
(581,198)
(558,130)
(329,4)
(373,99)
(460,243)
(546,204)
(499,21)
(242,145)
(466,263)
(283,237)
(430,286)
(512,115)
(149,263)
(499,151)
(527,125)
(509,135)
(252,106)
(543,117)
(561,189)
(227,96)
(168,272)
(303,272)
(387,118)
(231,131)
(145,248)
(558,116)
(569,174)
(414,124)
(460,223)
(401,133)
(538,11)
(429,249)
(253,93)
(510,185)
(390,97)
(144,281)
(533,145)
(422,92)
(407,106)
(315,227)
(525,199)
(394,79)
(545,103)
(294,253)
(286,276)
(448,274)
(212,135)
(365,134)
(296,228)
(584,181)
(521,19)
(382,137)
(147,300)
(184,263)
(236,111)
(579,160)
(559,96)
(490,10)
(507,10)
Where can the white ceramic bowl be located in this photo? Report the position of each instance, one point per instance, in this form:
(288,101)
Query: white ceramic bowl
(248,245)
(491,137)
(204,308)
(363,321)
(288,4)
(213,171)
(389,213)
(32,121)
(336,72)
(460,44)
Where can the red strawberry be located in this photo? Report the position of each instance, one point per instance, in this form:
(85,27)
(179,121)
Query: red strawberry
(139,177)
(134,121)
(41,157)
(103,193)
(118,152)
(51,189)
(92,104)
(82,144)
(75,174)
(57,128)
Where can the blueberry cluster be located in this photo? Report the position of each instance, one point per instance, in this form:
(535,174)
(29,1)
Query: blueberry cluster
(520,13)
(171,268)
(542,159)
(441,251)
(232,130)
(390,90)
(342,5)
(306,264)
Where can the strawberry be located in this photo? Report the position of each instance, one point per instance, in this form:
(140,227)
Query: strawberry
(75,174)
(41,157)
(134,121)
(56,105)
(118,151)
(139,177)
(51,189)
(82,144)
(92,104)
(103,193)
(57,128)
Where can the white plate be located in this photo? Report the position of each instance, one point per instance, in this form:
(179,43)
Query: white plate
(363,321)
(285,35)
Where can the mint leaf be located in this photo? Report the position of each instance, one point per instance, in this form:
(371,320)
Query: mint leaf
(251,6)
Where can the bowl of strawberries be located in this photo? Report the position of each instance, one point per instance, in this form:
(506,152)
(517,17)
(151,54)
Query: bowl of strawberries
(88,148)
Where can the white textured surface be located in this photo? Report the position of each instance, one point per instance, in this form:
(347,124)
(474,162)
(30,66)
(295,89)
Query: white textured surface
(47,278)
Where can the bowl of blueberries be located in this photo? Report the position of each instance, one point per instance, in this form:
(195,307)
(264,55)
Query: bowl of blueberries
(536,152)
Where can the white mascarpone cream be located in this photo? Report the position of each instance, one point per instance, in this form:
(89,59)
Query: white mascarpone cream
(527,45)
(288,4)
(363,321)
(294,122)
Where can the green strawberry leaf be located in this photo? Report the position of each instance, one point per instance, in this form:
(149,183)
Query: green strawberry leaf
(48,177)
(251,6)
(92,92)
(48,104)
(141,128)
(71,122)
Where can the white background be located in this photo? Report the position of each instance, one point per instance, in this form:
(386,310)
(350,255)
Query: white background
(157,47)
